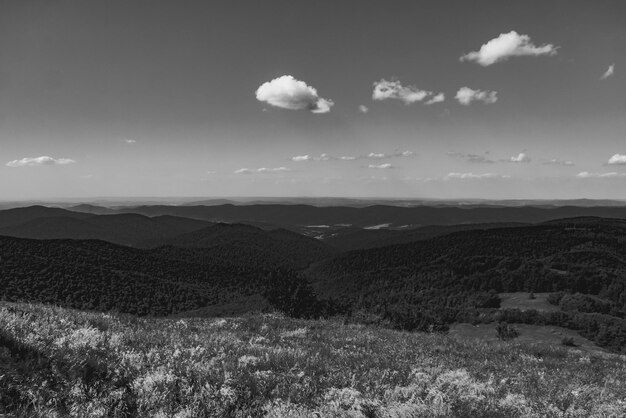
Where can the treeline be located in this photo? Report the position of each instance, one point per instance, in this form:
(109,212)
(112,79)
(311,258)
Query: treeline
(102,276)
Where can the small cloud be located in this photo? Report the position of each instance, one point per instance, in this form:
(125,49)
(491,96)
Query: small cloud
(211,172)
(386,90)
(43,160)
(617,159)
(436,99)
(507,45)
(466,96)
(404,154)
(375,155)
(363,109)
(272,170)
(609,72)
(588,175)
(472,176)
(380,166)
(519,158)
(262,170)
(472,158)
(347,158)
(288,93)
(299,158)
(555,161)
(130,141)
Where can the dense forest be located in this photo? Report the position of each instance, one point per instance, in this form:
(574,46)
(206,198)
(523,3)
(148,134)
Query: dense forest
(431,283)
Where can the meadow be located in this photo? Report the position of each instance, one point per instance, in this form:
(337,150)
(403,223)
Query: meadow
(57,362)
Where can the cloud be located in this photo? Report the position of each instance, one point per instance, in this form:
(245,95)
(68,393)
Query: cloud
(617,159)
(472,158)
(387,90)
(555,161)
(609,72)
(288,93)
(466,96)
(380,166)
(371,155)
(43,160)
(375,155)
(507,45)
(299,158)
(588,175)
(211,172)
(436,99)
(363,109)
(262,170)
(130,141)
(519,158)
(472,176)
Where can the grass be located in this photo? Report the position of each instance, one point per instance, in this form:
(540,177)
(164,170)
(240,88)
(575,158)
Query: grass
(522,301)
(56,362)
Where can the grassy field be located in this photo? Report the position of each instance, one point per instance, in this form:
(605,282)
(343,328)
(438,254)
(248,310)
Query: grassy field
(56,363)
(528,334)
(522,301)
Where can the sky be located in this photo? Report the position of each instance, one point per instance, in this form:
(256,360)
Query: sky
(424,99)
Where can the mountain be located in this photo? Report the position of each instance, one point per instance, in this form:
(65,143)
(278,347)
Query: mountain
(17,216)
(124,229)
(275,248)
(294,216)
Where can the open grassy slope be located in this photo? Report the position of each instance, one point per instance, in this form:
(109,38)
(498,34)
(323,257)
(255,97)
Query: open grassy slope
(56,362)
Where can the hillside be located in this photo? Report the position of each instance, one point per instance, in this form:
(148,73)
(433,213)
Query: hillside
(59,362)
(348,239)
(123,229)
(457,277)
(273,248)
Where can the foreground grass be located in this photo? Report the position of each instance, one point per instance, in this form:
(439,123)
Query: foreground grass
(56,362)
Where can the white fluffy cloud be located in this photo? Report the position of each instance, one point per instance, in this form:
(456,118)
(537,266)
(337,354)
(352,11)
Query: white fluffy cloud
(519,158)
(588,175)
(609,72)
(617,159)
(262,170)
(466,96)
(507,45)
(380,166)
(43,160)
(130,141)
(288,93)
(470,176)
(363,109)
(387,90)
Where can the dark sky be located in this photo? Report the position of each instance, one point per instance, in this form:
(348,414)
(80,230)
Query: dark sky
(159,98)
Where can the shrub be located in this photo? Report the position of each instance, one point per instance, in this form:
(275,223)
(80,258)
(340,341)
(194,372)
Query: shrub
(506,331)
(568,341)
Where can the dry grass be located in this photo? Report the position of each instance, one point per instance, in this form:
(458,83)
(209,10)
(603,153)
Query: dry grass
(70,363)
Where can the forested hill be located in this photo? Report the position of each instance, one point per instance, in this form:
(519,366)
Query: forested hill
(586,255)
(93,274)
(267,249)
(125,229)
